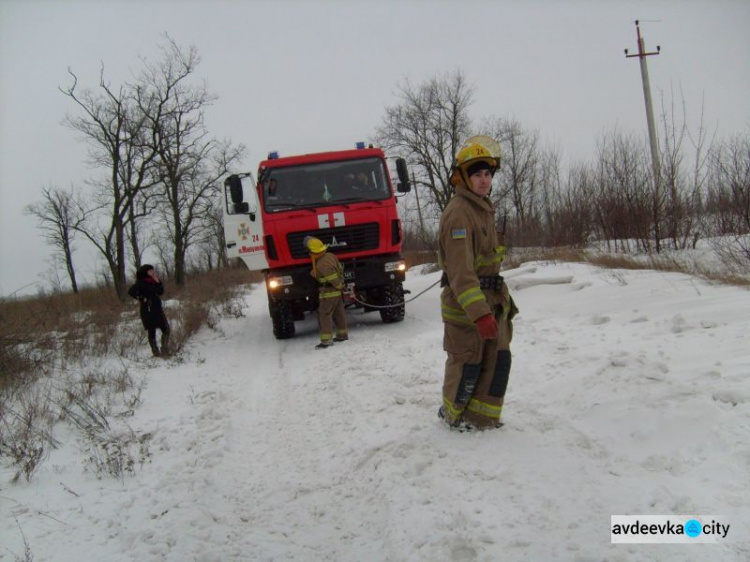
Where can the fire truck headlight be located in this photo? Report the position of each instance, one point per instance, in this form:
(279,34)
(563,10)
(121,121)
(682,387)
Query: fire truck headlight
(395,266)
(276,282)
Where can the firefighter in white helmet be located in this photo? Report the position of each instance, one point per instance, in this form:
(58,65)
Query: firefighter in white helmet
(328,272)
(477,309)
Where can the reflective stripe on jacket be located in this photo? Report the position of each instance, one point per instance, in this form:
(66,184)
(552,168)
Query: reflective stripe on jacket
(329,273)
(468,248)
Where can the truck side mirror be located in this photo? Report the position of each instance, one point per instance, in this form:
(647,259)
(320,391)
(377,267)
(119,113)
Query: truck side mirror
(404,185)
(235,188)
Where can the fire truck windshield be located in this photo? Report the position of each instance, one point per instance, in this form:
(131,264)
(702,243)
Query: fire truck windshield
(324,184)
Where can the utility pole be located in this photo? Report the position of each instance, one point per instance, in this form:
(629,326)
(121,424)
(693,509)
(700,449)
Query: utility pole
(642,54)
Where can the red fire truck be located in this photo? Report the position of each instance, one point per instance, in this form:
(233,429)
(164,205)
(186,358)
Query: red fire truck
(344,198)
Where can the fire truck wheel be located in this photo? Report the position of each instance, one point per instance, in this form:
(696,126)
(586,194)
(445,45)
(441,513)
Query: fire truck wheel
(392,294)
(282,317)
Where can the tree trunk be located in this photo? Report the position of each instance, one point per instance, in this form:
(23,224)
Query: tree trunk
(70,268)
(179,244)
(119,274)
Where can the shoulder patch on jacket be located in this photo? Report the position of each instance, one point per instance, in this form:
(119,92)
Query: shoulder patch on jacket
(458,233)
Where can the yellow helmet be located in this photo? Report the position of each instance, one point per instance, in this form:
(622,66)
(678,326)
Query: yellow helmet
(313,245)
(477,149)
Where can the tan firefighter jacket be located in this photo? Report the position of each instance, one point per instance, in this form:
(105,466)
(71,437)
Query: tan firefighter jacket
(469,248)
(329,273)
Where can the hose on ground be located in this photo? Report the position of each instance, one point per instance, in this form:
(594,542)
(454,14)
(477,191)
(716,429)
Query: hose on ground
(355,299)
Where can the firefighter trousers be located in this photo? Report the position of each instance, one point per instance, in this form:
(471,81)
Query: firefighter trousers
(330,310)
(476,372)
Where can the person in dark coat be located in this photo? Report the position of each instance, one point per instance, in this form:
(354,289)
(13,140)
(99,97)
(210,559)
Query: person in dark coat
(147,289)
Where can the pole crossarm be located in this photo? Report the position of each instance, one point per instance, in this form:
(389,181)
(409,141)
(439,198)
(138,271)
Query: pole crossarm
(641,55)
(641,45)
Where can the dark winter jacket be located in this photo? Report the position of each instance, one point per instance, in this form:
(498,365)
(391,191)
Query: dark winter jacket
(147,291)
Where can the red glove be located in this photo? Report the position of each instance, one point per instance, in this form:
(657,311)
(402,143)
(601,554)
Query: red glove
(487,326)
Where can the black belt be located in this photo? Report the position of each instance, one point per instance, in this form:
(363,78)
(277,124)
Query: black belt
(486,282)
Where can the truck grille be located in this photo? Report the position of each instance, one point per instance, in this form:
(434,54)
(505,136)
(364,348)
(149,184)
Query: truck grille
(355,238)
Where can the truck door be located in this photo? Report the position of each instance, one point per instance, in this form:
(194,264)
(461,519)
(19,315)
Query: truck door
(243,224)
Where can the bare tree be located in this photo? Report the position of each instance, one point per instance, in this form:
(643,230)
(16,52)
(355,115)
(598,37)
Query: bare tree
(213,245)
(730,200)
(188,163)
(187,217)
(683,183)
(623,200)
(672,156)
(59,215)
(162,245)
(575,208)
(118,139)
(426,128)
(550,197)
(517,181)
(142,206)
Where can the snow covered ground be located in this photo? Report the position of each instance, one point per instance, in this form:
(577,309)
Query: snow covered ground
(629,394)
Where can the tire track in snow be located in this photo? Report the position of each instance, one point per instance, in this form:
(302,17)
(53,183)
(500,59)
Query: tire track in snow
(297,413)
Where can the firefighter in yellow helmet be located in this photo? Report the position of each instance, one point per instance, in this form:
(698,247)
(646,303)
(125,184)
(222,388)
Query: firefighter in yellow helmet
(477,309)
(328,272)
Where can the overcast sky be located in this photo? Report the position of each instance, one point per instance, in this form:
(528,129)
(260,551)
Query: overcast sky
(317,75)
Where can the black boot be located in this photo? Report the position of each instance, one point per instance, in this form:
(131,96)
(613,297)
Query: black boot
(152,343)
(165,343)
(154,349)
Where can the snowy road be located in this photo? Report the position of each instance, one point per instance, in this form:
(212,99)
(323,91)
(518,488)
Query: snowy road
(630,394)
